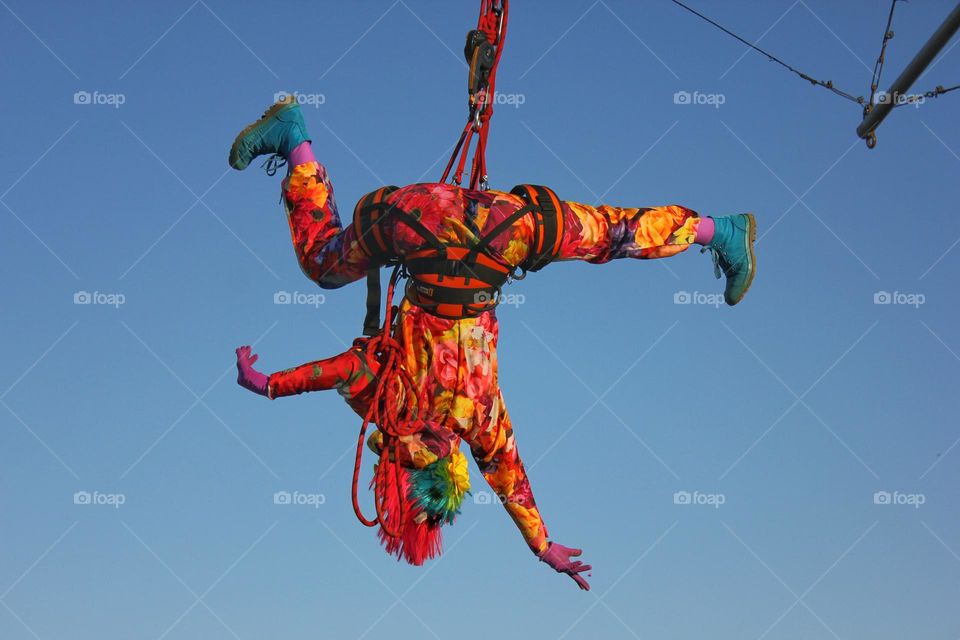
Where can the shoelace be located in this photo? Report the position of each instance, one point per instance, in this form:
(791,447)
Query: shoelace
(715,254)
(274,163)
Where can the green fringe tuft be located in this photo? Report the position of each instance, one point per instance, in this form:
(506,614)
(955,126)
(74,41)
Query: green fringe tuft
(433,490)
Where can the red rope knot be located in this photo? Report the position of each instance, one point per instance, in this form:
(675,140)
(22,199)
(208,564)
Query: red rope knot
(488,24)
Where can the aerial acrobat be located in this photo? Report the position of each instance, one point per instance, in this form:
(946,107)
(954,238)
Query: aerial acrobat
(428,378)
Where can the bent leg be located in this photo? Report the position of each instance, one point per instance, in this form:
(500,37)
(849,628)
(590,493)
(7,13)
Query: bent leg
(326,251)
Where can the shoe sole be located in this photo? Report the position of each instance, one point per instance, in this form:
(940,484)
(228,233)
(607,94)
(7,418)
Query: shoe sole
(274,109)
(752,235)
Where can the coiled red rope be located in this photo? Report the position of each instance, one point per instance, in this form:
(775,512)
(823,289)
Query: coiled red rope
(395,408)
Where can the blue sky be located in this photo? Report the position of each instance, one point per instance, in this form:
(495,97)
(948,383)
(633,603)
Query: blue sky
(831,382)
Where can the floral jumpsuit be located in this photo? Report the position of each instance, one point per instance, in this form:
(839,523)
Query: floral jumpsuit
(455,361)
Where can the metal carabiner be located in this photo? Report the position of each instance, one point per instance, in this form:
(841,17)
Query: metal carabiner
(515,276)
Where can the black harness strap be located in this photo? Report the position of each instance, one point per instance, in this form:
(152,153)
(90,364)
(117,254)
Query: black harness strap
(371,322)
(454,268)
(548,230)
(414,223)
(505,224)
(366,217)
(451,296)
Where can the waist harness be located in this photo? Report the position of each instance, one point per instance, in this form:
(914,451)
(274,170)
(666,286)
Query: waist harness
(453,280)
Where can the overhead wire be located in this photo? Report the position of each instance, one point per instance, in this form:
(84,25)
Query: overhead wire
(826,84)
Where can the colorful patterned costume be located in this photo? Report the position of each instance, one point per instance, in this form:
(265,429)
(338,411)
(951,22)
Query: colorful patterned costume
(455,361)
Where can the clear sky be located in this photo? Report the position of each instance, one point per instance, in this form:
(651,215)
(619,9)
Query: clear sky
(783,417)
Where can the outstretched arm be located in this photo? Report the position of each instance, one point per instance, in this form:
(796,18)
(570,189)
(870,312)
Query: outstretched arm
(328,253)
(495,450)
(350,373)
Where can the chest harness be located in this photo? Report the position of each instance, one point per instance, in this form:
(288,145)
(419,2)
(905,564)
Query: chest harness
(453,281)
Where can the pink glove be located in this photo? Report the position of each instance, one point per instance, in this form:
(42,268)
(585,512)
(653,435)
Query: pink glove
(558,557)
(247,376)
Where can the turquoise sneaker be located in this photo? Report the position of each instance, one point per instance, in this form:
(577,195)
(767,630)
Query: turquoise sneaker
(278,131)
(732,249)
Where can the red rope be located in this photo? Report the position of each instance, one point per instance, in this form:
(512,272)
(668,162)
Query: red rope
(395,409)
(493,23)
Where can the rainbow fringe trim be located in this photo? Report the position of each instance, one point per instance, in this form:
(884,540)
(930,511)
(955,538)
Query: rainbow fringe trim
(434,496)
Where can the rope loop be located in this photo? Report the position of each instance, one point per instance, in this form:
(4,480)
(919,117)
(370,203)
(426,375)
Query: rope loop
(397,409)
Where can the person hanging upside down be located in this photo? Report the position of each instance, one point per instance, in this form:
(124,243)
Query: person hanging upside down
(458,247)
